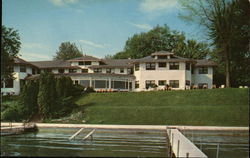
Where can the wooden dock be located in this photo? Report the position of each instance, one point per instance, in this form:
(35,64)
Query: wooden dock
(11,130)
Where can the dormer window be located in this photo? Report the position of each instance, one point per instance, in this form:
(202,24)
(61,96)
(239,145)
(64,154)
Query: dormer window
(97,70)
(162,64)
(122,70)
(61,71)
(162,56)
(84,63)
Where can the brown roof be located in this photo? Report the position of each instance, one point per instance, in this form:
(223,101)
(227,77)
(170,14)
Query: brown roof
(33,77)
(86,58)
(162,52)
(53,64)
(115,63)
(174,59)
(205,62)
(20,61)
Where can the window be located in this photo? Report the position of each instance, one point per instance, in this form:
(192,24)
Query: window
(192,69)
(162,56)
(80,63)
(85,83)
(76,82)
(108,71)
(61,71)
(122,70)
(137,84)
(101,84)
(130,71)
(187,66)
(33,71)
(118,84)
(72,70)
(22,68)
(173,66)
(137,67)
(150,83)
(97,70)
(162,64)
(87,62)
(174,83)
(161,82)
(203,70)
(187,83)
(9,83)
(84,70)
(150,66)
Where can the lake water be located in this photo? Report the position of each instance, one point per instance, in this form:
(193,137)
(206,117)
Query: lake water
(232,144)
(120,143)
(54,142)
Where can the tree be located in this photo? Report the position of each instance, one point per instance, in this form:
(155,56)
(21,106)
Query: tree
(47,99)
(10,46)
(67,51)
(219,18)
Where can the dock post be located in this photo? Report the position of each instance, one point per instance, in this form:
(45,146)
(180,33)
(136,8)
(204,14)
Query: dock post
(218,149)
(172,143)
(178,148)
(187,155)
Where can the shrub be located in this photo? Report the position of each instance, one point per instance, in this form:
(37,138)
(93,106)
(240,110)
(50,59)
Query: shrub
(12,113)
(89,90)
(77,90)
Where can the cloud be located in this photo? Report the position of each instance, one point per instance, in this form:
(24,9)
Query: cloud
(156,5)
(34,56)
(141,26)
(63,2)
(90,43)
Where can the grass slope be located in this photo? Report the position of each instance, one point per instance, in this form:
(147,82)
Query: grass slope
(214,107)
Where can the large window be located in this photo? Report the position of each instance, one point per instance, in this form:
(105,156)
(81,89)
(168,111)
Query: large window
(187,66)
(150,66)
(97,70)
(162,64)
(150,83)
(9,83)
(174,66)
(118,84)
(187,83)
(137,85)
(84,70)
(161,82)
(174,83)
(22,68)
(122,70)
(101,84)
(203,70)
(137,67)
(72,70)
(61,71)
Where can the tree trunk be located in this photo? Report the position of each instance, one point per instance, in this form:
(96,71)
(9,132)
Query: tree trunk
(227,67)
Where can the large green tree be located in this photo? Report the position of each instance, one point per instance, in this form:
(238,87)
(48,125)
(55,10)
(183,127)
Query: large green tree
(10,46)
(161,38)
(67,51)
(226,23)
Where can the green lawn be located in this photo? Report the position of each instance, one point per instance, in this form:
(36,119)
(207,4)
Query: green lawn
(220,107)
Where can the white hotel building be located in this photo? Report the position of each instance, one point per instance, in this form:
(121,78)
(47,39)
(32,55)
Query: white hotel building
(160,68)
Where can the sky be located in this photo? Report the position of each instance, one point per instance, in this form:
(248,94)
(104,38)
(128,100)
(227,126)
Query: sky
(97,27)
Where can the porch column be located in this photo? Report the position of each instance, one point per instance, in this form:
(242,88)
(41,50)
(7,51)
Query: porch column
(90,82)
(109,83)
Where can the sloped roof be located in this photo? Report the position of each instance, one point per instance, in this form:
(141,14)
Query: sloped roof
(85,58)
(20,61)
(174,59)
(205,62)
(112,63)
(53,64)
(162,52)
